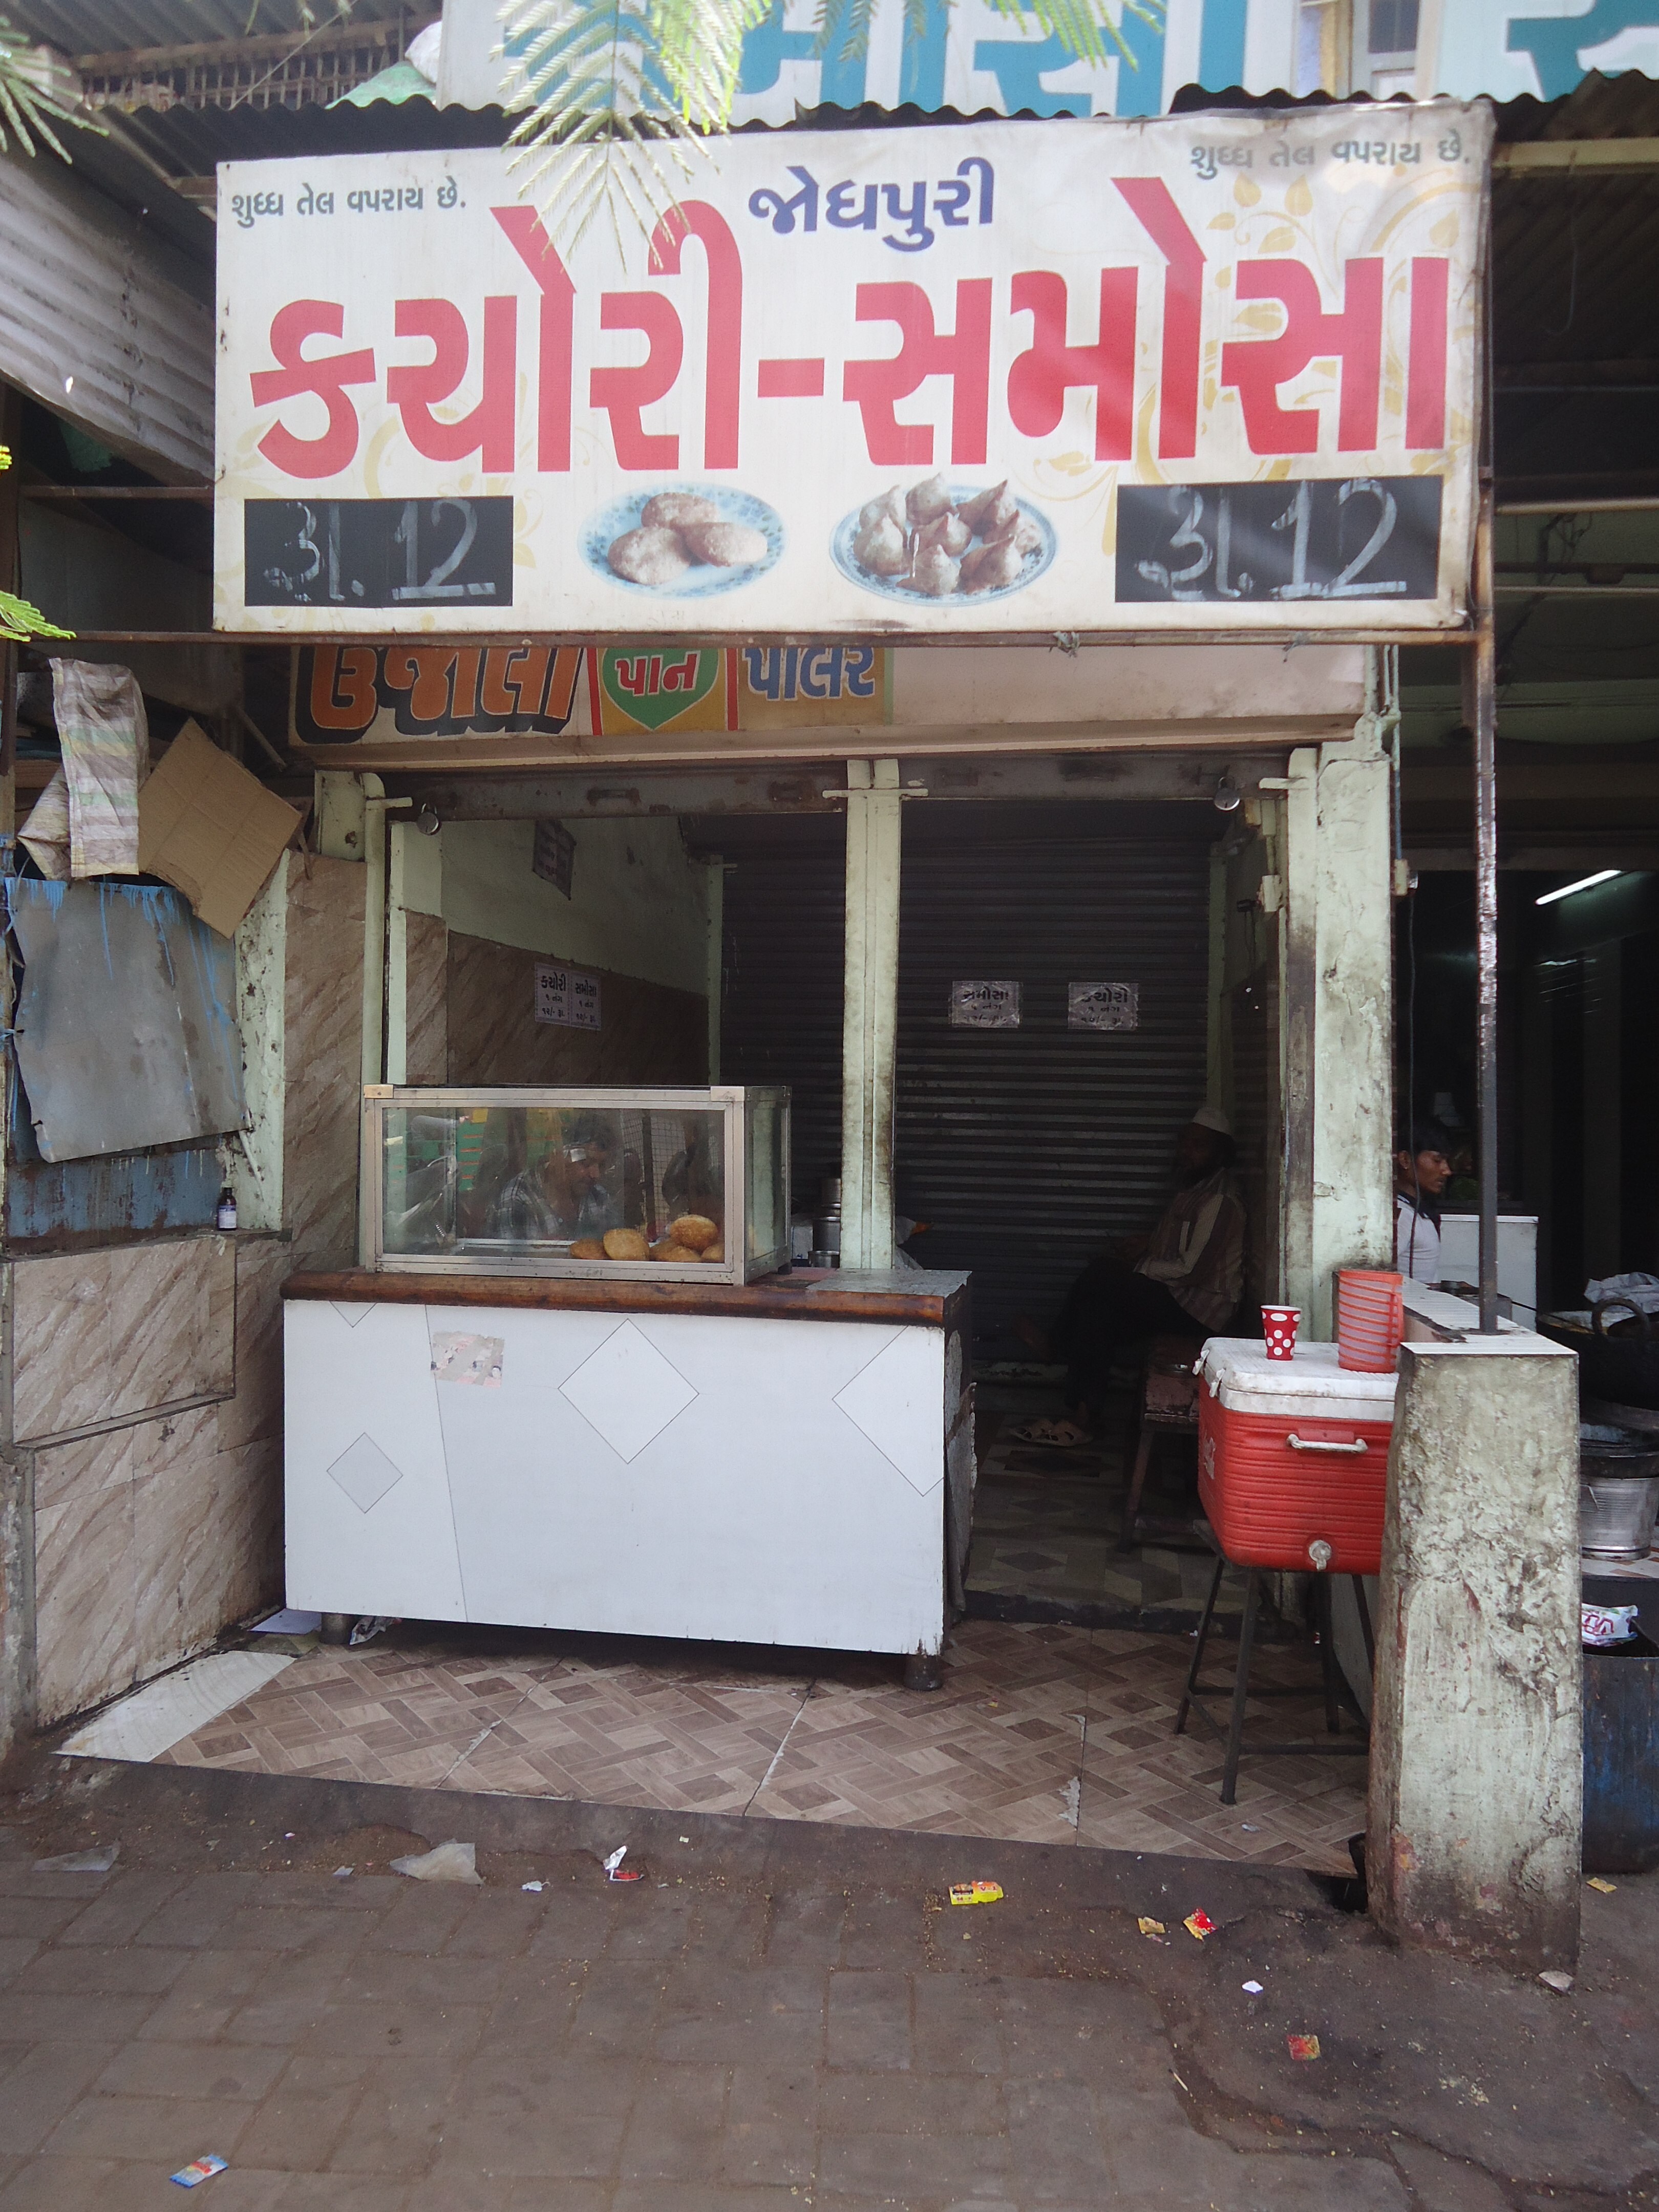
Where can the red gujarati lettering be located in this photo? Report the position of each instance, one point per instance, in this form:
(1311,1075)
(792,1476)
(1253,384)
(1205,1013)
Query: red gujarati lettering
(557,340)
(681,674)
(1257,366)
(723,376)
(625,393)
(324,377)
(1425,374)
(1041,378)
(486,429)
(1153,207)
(963,355)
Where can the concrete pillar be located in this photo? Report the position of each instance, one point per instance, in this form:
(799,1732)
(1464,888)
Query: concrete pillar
(1336,1020)
(1477,1717)
(870,1018)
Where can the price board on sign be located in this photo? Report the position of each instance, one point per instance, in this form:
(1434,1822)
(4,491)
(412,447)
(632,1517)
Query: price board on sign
(1213,373)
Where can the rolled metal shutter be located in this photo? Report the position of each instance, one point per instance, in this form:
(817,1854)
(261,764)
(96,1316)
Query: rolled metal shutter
(782,953)
(1026,1150)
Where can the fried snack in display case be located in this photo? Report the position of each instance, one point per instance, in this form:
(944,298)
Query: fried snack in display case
(689,1185)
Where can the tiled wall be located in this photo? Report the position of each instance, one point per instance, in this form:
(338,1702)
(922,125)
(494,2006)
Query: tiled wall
(153,1529)
(150,1532)
(650,1033)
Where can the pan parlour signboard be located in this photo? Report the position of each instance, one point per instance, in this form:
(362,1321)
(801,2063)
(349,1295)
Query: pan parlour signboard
(1212,374)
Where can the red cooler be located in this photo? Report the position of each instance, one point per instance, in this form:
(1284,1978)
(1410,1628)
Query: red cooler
(1293,1456)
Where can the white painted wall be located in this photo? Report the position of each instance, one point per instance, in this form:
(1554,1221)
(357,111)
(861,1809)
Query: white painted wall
(638,905)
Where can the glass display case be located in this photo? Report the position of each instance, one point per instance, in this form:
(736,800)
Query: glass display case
(682,1185)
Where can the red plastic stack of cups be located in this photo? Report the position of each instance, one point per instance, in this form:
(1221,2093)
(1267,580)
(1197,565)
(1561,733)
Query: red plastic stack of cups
(1278,1327)
(1370,1319)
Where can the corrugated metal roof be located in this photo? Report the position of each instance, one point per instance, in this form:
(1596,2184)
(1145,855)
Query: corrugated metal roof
(96,27)
(95,325)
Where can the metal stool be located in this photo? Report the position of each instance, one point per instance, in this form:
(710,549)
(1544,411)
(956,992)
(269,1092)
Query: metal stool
(1233,1734)
(1169,1402)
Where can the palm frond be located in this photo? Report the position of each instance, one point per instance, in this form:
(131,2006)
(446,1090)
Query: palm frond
(700,47)
(1083,26)
(28,97)
(619,98)
(602,127)
(20,622)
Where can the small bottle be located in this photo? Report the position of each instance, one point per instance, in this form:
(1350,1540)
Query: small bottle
(225,1213)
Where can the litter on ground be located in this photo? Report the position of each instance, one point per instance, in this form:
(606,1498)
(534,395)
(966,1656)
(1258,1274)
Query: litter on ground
(1148,1927)
(975,1892)
(1198,1925)
(93,1862)
(1303,2046)
(1553,1978)
(200,2170)
(1607,1888)
(1251,1989)
(450,1862)
(534,1888)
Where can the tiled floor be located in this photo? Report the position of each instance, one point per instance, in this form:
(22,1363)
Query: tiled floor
(1042,1733)
(1047,1526)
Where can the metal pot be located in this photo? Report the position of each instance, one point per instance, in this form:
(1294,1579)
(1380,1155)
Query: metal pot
(1618,1493)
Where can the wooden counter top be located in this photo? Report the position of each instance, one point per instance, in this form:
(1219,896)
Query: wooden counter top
(931,1300)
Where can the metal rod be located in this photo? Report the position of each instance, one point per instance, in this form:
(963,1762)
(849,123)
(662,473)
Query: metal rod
(201,493)
(1638,503)
(1483,672)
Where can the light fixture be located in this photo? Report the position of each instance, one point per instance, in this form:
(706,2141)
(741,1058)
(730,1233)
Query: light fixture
(1583,883)
(1227,794)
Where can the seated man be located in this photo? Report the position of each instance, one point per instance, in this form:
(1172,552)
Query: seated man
(1182,1279)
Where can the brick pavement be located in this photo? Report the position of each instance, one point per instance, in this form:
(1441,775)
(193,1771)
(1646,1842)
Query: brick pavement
(776,2017)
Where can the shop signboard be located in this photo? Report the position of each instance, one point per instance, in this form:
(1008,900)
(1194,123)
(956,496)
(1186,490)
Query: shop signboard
(1211,374)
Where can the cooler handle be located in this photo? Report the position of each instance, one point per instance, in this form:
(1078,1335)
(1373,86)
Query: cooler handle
(1320,1443)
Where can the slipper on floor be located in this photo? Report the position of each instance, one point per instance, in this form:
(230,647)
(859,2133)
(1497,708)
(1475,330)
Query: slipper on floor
(1057,1436)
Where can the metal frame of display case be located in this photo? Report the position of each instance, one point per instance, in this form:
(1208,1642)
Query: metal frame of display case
(732,1100)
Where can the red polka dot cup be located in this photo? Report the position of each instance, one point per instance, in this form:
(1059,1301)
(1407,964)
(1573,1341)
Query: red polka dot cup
(1279,1326)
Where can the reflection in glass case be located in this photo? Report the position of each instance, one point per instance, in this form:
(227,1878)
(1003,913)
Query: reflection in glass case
(686,1185)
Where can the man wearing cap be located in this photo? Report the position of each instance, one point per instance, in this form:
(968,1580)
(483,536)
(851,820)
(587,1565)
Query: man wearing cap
(1182,1279)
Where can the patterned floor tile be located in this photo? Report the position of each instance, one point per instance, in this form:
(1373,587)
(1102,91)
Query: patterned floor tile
(1042,1733)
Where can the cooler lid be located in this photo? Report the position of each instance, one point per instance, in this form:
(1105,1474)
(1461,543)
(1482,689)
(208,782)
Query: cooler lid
(1237,1370)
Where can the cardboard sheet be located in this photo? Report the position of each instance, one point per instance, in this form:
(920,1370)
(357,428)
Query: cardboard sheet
(211,829)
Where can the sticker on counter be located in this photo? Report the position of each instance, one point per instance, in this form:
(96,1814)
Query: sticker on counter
(1102,1006)
(457,1356)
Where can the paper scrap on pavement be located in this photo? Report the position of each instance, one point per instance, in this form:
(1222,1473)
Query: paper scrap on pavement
(1198,1925)
(1303,2046)
(200,2169)
(1154,1928)
(99,1860)
(975,1892)
(450,1862)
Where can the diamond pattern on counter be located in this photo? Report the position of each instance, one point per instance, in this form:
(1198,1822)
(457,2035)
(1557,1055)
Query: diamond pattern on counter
(627,1392)
(889,1403)
(365,1473)
(351,1315)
